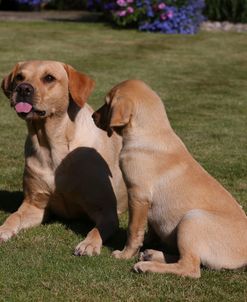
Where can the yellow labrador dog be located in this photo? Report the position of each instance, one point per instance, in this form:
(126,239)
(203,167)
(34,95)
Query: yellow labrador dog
(185,206)
(71,167)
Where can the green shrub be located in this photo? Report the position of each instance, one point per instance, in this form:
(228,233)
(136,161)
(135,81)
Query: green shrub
(227,10)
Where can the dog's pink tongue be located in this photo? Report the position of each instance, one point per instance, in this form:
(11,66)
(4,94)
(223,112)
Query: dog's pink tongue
(23,107)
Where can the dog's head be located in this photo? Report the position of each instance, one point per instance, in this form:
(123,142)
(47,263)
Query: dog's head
(39,89)
(117,111)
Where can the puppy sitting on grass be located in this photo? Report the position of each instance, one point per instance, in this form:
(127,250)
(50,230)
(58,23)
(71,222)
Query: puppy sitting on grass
(185,206)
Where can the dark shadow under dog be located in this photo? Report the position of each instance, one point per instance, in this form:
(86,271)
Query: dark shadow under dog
(83,169)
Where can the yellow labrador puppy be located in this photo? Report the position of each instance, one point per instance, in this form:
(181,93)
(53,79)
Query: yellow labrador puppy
(185,206)
(71,167)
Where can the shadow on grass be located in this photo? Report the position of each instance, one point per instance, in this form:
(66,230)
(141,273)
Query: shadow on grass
(86,18)
(11,201)
(84,225)
(83,17)
(51,15)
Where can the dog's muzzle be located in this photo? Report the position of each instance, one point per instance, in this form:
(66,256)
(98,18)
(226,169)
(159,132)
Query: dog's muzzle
(24,101)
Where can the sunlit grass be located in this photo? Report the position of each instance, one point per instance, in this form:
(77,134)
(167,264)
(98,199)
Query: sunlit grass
(202,80)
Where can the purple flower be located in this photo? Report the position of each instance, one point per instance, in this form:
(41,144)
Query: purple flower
(122,3)
(130,10)
(121,13)
(161,6)
(163,17)
(169,14)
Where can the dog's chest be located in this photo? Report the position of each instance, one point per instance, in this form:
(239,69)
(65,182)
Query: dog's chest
(137,168)
(162,220)
(42,173)
(133,167)
(48,177)
(43,165)
(165,212)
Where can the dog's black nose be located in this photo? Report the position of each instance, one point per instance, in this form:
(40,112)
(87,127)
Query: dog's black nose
(25,90)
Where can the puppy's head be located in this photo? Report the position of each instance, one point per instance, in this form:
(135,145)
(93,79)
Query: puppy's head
(40,89)
(116,113)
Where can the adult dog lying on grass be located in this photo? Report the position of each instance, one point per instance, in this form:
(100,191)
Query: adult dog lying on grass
(71,167)
(185,206)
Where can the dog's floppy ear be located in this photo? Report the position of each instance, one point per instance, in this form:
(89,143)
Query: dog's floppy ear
(7,81)
(121,109)
(80,85)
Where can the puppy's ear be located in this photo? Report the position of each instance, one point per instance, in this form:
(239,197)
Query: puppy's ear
(121,110)
(80,85)
(7,82)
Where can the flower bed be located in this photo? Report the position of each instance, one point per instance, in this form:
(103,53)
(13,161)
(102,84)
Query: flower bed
(26,5)
(167,16)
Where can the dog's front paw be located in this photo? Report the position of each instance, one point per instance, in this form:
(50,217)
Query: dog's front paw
(141,267)
(88,248)
(6,233)
(124,254)
(151,255)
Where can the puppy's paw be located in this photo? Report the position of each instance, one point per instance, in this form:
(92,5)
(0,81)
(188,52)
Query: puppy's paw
(124,254)
(151,255)
(142,267)
(88,248)
(6,233)
(120,254)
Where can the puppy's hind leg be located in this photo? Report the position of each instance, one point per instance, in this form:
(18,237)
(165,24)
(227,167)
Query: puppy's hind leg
(208,238)
(188,266)
(152,255)
(157,256)
(189,262)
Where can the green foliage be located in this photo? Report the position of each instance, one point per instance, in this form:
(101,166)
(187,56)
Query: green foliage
(227,10)
(202,80)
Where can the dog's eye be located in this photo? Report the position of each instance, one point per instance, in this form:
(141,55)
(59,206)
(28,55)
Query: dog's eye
(49,78)
(19,77)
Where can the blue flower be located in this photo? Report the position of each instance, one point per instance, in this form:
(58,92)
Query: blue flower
(30,2)
(147,15)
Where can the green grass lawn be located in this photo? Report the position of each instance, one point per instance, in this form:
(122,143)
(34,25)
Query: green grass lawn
(202,80)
